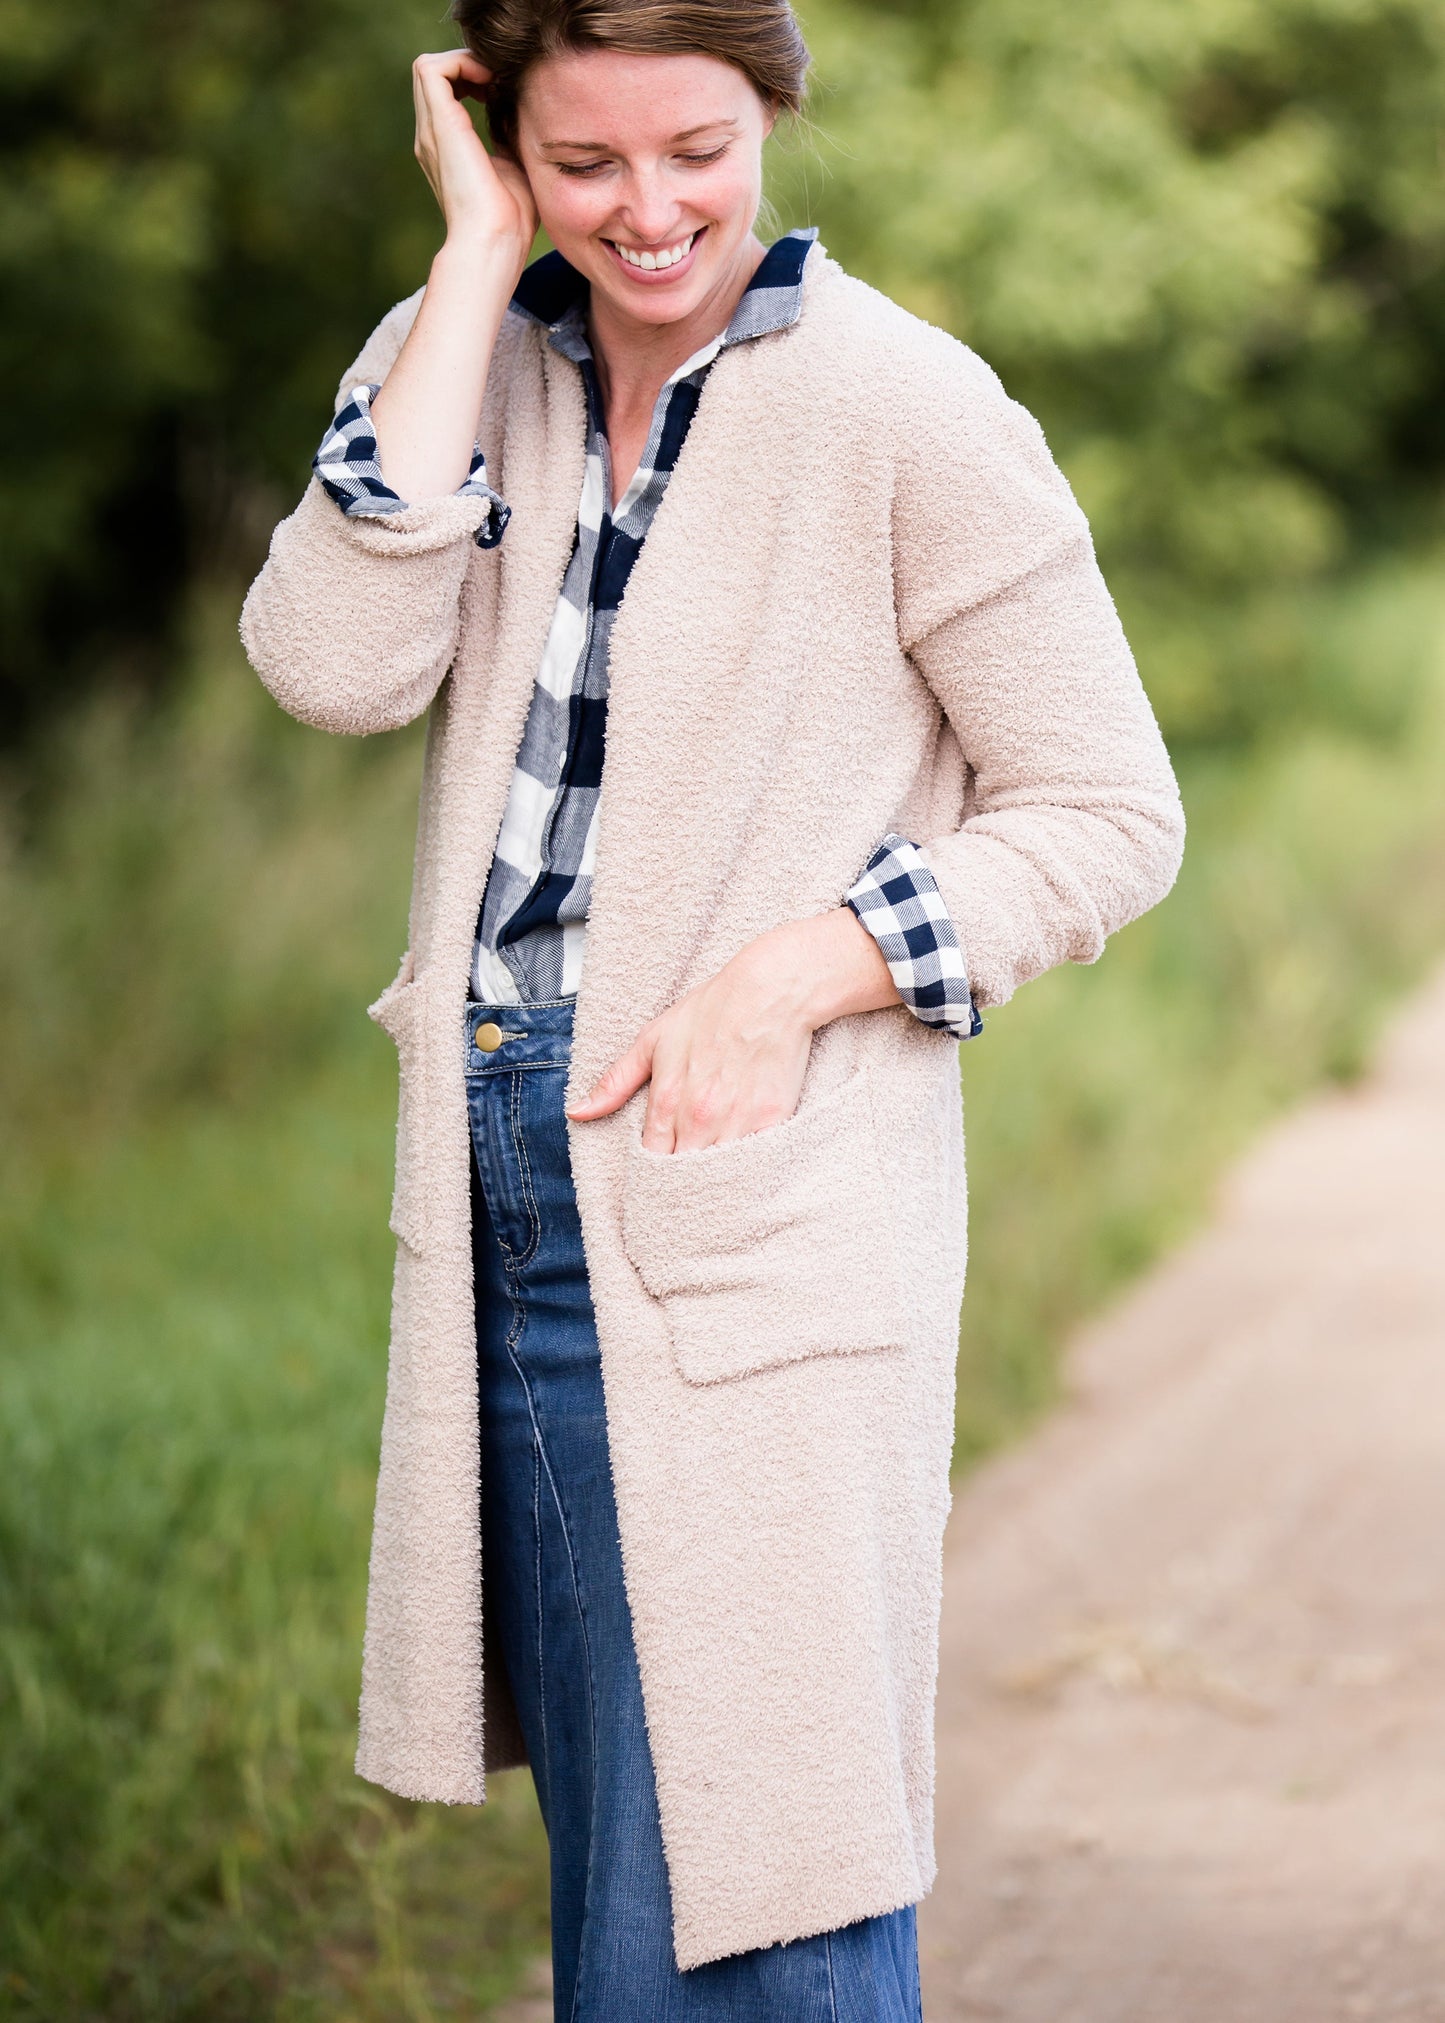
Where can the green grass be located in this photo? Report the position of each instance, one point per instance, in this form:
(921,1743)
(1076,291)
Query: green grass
(195,1326)
(193,1296)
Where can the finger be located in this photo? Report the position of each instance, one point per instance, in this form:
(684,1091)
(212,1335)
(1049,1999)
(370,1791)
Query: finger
(658,1132)
(472,80)
(659,1121)
(451,64)
(421,102)
(440,83)
(700,1119)
(617,1084)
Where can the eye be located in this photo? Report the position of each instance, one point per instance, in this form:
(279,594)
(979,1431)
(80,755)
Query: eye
(579,168)
(701,161)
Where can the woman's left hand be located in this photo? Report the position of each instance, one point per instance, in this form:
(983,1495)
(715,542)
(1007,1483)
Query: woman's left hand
(730,1056)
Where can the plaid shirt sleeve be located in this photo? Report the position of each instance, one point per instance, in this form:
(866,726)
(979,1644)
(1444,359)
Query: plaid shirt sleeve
(898,901)
(349,466)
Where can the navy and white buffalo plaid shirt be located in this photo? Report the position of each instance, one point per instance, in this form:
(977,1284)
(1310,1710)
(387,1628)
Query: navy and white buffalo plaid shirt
(531,932)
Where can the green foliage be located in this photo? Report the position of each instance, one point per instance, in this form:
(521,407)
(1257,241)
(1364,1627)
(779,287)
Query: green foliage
(187,867)
(203,211)
(1205,243)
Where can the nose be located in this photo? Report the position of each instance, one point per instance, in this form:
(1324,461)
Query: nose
(649,211)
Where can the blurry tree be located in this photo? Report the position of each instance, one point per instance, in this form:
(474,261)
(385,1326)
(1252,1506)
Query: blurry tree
(1203,239)
(202,207)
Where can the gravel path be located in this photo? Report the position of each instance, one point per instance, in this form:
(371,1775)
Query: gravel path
(1192,1697)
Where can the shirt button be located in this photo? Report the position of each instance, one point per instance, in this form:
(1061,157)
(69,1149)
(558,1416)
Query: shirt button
(488,1037)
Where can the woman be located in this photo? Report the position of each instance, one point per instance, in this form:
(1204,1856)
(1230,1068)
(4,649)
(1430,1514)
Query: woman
(679,1097)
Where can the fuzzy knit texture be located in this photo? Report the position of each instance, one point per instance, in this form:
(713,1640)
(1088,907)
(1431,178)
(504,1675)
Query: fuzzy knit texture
(870,602)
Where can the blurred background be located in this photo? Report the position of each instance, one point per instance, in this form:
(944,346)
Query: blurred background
(1204,240)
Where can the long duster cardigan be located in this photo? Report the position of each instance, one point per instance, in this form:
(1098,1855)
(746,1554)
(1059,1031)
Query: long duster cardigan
(869,602)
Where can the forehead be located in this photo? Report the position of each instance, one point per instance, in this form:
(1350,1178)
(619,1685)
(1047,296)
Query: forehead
(614,96)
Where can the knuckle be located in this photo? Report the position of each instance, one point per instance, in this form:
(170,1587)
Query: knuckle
(704,1109)
(666,1091)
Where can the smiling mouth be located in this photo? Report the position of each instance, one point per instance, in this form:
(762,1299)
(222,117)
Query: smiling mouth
(656,260)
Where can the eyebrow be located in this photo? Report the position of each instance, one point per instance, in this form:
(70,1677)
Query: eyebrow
(601,147)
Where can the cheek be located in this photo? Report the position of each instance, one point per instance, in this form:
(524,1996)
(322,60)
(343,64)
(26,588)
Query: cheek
(570,207)
(729,194)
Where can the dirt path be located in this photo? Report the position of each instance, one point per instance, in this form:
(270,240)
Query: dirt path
(1192,1700)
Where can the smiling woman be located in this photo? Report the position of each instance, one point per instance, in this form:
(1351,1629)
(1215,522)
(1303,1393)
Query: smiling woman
(658,214)
(780,718)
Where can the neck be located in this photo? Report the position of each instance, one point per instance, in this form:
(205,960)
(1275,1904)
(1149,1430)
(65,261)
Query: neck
(635,360)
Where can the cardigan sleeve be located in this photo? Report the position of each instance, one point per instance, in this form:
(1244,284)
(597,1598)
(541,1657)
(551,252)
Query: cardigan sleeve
(353,621)
(1074,823)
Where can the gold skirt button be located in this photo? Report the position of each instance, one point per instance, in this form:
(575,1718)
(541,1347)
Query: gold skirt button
(488,1037)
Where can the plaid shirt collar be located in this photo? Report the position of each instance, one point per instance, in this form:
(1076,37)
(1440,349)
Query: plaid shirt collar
(553,293)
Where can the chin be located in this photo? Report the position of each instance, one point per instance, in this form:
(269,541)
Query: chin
(669,306)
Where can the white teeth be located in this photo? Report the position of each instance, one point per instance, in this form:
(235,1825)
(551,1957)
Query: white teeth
(668,257)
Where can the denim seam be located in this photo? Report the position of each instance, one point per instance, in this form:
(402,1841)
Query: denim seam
(534,1220)
(515,1333)
(476,1004)
(512,1068)
(542,1462)
(537,1586)
(832,1989)
(566,1521)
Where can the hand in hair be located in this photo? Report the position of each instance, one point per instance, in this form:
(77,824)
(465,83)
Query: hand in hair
(426,414)
(479,194)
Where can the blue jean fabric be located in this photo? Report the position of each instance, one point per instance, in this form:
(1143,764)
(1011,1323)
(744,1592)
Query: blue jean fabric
(557,1609)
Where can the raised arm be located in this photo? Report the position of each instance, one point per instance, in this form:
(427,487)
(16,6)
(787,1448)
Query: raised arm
(352,623)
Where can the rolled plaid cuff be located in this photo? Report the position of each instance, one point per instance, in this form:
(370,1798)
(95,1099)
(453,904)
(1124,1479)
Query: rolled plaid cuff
(349,466)
(898,901)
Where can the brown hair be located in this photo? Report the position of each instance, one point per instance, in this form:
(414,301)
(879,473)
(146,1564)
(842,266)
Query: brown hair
(758,37)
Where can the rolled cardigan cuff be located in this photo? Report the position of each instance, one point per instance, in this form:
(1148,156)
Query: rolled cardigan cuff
(348,464)
(898,901)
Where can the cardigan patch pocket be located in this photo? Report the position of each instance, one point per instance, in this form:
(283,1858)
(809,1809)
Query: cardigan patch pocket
(400,1011)
(771,1248)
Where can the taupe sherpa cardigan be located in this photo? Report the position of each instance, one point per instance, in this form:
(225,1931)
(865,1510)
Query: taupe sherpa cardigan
(869,602)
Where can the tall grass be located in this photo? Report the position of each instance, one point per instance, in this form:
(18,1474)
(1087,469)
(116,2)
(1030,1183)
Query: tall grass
(193,1315)
(190,1400)
(193,1303)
